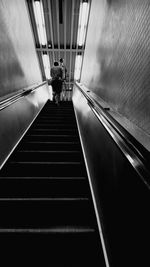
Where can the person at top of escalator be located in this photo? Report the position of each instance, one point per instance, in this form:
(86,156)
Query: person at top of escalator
(64,77)
(56,82)
(62,65)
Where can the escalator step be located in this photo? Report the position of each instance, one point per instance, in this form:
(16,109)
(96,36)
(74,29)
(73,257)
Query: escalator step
(52,187)
(45,145)
(60,119)
(52,249)
(51,138)
(42,177)
(26,155)
(57,126)
(44,169)
(46,213)
(53,131)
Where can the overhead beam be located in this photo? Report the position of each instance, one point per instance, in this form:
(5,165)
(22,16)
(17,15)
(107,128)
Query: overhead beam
(71,39)
(41,51)
(51,28)
(57,21)
(65,18)
(61,49)
(78,50)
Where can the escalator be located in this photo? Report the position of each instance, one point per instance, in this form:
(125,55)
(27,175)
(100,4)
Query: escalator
(47,213)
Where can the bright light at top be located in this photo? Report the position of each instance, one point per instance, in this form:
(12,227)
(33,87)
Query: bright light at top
(39,17)
(78,64)
(46,64)
(83,19)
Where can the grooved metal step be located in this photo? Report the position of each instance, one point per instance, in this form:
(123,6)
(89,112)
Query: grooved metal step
(48,155)
(40,187)
(54,249)
(44,169)
(46,213)
(47,145)
(51,138)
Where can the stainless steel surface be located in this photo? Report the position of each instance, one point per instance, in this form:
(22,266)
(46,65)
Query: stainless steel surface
(19,66)
(121,196)
(17,117)
(116,60)
(133,151)
(19,69)
(11,98)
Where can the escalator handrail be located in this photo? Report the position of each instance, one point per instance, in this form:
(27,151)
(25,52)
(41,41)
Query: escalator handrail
(136,154)
(7,100)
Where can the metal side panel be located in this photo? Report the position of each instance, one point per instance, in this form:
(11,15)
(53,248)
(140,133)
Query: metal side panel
(16,119)
(86,122)
(121,197)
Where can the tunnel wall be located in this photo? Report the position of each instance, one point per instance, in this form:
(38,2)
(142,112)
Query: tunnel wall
(116,63)
(19,65)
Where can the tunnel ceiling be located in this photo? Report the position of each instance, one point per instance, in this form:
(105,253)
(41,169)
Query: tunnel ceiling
(61,23)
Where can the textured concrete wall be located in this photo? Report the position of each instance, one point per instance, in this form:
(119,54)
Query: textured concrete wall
(117,57)
(19,65)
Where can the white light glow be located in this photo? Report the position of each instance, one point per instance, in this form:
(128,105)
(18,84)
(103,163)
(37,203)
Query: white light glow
(83,18)
(39,17)
(46,64)
(78,64)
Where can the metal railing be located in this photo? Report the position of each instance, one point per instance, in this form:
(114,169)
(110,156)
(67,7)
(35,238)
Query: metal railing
(8,100)
(66,94)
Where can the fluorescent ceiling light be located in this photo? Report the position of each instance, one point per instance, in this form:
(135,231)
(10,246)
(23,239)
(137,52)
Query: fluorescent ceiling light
(78,64)
(46,64)
(83,19)
(39,18)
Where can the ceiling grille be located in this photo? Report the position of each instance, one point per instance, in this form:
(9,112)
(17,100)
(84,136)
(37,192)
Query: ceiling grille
(61,24)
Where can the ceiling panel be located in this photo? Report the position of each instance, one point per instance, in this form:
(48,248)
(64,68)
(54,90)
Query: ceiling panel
(61,22)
